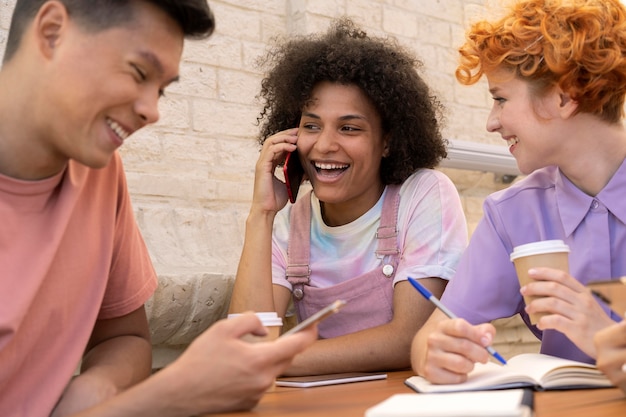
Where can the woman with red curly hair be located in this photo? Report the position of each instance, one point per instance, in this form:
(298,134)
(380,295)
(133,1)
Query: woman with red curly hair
(556,70)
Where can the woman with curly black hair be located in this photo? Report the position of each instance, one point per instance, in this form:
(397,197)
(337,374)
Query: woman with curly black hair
(366,130)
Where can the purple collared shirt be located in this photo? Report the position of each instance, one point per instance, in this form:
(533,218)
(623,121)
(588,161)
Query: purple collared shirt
(545,205)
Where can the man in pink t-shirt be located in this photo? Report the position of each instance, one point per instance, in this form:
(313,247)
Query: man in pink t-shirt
(78,78)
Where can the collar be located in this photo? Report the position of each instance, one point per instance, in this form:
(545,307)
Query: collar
(574,204)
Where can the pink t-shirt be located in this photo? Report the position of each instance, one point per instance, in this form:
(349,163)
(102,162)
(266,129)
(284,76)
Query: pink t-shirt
(70,253)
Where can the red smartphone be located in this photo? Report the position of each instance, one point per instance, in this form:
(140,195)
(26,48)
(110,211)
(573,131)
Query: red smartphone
(294,173)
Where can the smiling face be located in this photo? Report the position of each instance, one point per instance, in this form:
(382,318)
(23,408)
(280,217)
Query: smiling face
(104,85)
(530,125)
(341,144)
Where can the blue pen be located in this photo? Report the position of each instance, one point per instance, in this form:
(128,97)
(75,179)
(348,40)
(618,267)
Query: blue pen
(427,294)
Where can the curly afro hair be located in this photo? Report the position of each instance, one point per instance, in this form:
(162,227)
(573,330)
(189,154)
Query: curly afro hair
(411,115)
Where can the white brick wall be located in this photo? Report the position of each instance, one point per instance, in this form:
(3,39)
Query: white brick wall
(191,174)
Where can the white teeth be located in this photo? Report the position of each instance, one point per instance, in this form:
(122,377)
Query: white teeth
(319,165)
(512,141)
(119,131)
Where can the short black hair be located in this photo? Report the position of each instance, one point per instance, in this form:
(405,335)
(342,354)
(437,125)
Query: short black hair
(194,16)
(386,73)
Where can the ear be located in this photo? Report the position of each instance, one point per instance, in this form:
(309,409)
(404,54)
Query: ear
(49,25)
(567,105)
(386,140)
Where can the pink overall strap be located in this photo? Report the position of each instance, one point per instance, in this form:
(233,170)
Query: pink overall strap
(387,233)
(298,248)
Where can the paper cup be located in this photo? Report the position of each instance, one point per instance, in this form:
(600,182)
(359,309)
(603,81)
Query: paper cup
(546,253)
(273,323)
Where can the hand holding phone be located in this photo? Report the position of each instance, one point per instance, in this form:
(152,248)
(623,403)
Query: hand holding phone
(317,317)
(294,173)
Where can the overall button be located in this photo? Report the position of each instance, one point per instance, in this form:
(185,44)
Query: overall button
(298,293)
(388,270)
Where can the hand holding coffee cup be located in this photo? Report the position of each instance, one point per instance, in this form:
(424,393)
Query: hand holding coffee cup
(546,253)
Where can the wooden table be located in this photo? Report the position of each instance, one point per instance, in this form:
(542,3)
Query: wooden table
(351,400)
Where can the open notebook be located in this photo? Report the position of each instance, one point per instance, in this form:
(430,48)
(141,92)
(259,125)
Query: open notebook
(536,370)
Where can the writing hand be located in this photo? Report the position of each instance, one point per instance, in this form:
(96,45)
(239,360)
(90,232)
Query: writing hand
(445,350)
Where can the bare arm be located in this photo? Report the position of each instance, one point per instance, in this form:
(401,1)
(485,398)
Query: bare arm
(219,372)
(253,285)
(118,356)
(385,347)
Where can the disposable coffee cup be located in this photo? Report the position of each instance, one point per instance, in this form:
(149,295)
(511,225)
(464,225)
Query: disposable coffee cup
(273,323)
(545,253)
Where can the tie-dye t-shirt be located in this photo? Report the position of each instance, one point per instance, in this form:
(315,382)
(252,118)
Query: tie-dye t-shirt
(430,220)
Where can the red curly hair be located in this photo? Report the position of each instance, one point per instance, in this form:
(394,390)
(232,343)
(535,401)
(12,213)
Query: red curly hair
(578,45)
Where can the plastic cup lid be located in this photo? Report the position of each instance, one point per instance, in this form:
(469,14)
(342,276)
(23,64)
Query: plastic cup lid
(267,318)
(538,248)
(270,319)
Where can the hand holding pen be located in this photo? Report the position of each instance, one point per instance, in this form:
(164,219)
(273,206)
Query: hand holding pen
(428,295)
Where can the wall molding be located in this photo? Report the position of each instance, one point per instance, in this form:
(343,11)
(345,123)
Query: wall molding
(476,156)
